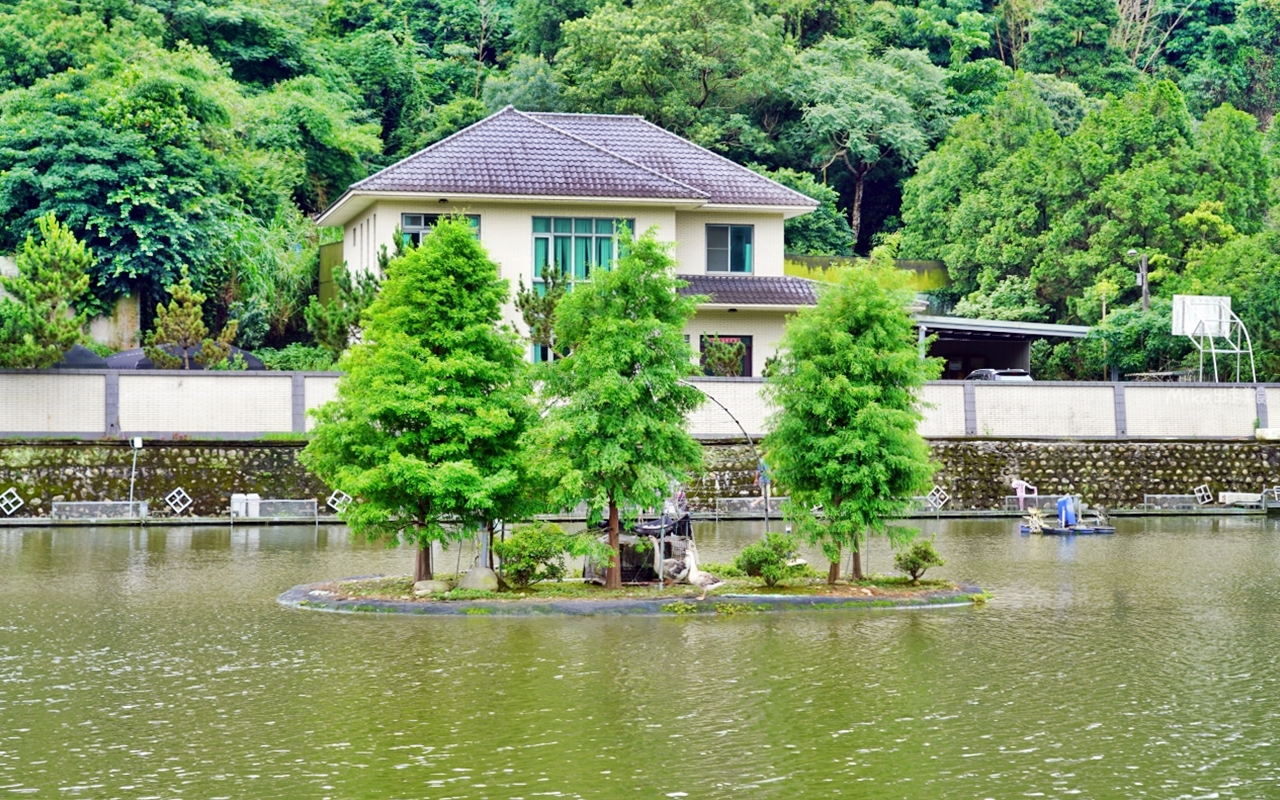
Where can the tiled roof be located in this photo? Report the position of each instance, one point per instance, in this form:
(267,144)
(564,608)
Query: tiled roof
(749,290)
(577,155)
(639,140)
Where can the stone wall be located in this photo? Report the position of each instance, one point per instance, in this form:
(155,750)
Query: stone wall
(42,472)
(975,472)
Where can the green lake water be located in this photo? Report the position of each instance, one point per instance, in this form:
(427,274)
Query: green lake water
(157,664)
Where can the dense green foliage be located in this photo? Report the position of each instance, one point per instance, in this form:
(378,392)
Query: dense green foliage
(424,431)
(614,435)
(536,552)
(1028,144)
(774,559)
(39,320)
(918,557)
(846,387)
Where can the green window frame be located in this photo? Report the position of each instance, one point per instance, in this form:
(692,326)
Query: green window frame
(576,245)
(413,227)
(730,248)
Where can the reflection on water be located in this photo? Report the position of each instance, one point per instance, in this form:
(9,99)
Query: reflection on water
(156,663)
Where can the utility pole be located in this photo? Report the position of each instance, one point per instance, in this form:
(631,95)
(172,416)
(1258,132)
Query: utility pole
(1142,279)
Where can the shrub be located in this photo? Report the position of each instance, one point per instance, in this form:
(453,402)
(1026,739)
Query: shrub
(536,553)
(770,559)
(297,356)
(917,558)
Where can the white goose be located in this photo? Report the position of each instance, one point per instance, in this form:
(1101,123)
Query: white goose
(696,577)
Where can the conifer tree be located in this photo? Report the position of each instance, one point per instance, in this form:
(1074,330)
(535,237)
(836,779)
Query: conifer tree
(38,321)
(180,324)
(615,432)
(425,429)
(846,385)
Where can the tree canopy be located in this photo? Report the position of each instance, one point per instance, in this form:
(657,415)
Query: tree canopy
(615,425)
(424,432)
(846,388)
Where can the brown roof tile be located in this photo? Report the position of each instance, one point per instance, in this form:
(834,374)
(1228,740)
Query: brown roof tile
(748,290)
(577,155)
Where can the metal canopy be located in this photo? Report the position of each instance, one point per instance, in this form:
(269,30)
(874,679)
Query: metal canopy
(963,328)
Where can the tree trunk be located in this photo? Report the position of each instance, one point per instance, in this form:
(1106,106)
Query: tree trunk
(422,564)
(855,210)
(833,571)
(613,578)
(857,565)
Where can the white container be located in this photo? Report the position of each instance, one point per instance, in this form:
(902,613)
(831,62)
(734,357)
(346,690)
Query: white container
(238,504)
(251,502)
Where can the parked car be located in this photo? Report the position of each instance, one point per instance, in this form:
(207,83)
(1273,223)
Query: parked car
(998,375)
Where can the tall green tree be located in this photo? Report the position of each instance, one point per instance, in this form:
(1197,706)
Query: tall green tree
(425,428)
(695,67)
(860,110)
(847,388)
(616,422)
(39,319)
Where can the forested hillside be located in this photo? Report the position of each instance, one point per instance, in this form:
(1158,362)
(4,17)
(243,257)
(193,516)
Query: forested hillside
(1028,143)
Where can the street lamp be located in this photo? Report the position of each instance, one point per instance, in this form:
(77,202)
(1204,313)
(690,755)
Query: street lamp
(136,444)
(1142,278)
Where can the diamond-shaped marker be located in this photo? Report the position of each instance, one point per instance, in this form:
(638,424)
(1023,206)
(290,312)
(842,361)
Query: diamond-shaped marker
(338,501)
(178,500)
(1204,496)
(10,502)
(938,497)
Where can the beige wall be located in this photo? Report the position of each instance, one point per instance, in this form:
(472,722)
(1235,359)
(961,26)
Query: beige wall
(52,403)
(318,390)
(1068,411)
(1190,411)
(206,403)
(742,398)
(943,409)
(764,327)
(691,237)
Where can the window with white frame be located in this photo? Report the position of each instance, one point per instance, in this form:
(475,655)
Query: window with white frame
(729,248)
(414,227)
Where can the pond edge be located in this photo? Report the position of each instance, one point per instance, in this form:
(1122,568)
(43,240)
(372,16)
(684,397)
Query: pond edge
(301,598)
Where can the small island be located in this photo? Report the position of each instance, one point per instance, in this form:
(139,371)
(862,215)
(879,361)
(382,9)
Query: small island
(396,595)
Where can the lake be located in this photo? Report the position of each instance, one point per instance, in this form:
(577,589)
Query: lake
(156,663)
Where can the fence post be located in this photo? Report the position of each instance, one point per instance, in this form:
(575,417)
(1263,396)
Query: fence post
(970,411)
(1260,403)
(299,402)
(1122,416)
(111,401)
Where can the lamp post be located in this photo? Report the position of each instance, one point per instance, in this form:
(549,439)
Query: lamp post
(136,444)
(1142,279)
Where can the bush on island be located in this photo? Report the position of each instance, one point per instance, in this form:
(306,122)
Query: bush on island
(775,558)
(917,558)
(536,552)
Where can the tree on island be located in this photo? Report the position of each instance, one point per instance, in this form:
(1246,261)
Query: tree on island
(615,431)
(38,319)
(846,385)
(424,431)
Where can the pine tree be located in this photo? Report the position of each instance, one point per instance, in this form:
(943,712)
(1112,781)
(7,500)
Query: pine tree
(38,321)
(615,432)
(180,324)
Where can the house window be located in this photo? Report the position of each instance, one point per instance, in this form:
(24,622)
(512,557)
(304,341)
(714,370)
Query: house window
(745,369)
(416,226)
(575,245)
(729,248)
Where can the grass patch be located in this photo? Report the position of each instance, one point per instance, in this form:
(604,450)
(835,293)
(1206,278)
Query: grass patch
(478,611)
(729,609)
(680,608)
(285,436)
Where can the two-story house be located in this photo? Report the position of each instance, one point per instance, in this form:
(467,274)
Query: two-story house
(554,189)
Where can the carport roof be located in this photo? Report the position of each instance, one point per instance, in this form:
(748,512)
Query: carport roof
(963,328)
